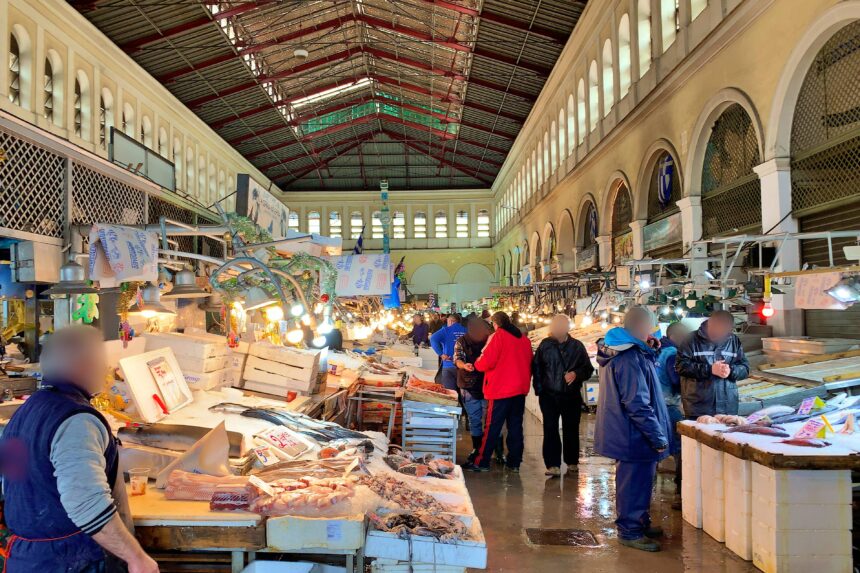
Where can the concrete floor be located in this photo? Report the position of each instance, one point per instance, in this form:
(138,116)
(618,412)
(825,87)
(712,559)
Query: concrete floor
(508,503)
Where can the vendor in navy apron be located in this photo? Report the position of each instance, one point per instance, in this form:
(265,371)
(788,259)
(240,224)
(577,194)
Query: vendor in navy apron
(64,503)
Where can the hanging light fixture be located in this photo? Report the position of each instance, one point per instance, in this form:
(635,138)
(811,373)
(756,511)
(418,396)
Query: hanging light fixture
(845,291)
(150,305)
(213,303)
(73,280)
(185,286)
(255,298)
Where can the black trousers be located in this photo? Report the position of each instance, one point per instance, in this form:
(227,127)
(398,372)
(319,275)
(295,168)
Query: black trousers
(505,412)
(568,408)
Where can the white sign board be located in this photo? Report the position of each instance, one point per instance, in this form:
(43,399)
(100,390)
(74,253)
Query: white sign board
(809,292)
(120,254)
(359,275)
(259,205)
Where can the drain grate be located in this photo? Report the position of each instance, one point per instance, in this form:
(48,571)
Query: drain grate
(564,537)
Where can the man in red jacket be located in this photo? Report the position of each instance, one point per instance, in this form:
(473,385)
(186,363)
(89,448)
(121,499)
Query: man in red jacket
(506,364)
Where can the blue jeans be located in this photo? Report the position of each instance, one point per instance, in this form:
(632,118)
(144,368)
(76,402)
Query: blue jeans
(448,378)
(633,484)
(476,408)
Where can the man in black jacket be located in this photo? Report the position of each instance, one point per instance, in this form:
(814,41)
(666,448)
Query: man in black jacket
(560,367)
(710,364)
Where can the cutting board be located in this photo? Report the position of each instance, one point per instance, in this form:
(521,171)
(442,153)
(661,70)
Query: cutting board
(153,509)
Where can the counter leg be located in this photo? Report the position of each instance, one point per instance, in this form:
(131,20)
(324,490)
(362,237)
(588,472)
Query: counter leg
(237,561)
(360,560)
(350,563)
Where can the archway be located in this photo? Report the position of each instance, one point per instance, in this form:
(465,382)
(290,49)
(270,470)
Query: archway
(427,278)
(587,229)
(566,241)
(660,188)
(621,217)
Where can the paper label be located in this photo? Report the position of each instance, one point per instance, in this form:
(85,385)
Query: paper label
(333,531)
(806,406)
(757,416)
(811,429)
(266,456)
(281,439)
(261,485)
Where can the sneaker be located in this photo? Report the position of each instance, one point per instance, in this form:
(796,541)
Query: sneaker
(472,456)
(515,470)
(653,532)
(501,460)
(573,470)
(470,466)
(553,472)
(676,502)
(642,544)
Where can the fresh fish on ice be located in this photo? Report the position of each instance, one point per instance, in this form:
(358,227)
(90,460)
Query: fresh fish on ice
(806,442)
(775,431)
(772,411)
(174,437)
(837,399)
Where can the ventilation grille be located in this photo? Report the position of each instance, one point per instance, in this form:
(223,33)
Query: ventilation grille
(622,211)
(97,198)
(31,188)
(825,136)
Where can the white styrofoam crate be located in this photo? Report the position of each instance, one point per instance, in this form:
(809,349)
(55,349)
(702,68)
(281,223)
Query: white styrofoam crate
(737,473)
(739,534)
(772,563)
(811,486)
(738,505)
(307,375)
(298,358)
(293,533)
(804,516)
(187,344)
(691,485)
(392,566)
(197,364)
(802,541)
(714,516)
(421,549)
(204,380)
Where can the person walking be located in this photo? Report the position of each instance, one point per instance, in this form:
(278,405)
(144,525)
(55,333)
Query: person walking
(711,364)
(442,342)
(506,364)
(65,500)
(467,350)
(560,366)
(632,424)
(670,384)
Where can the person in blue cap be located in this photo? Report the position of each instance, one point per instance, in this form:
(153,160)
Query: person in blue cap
(633,425)
(442,342)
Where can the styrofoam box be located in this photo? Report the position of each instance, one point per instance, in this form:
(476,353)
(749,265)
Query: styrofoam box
(802,541)
(783,516)
(737,475)
(278,390)
(187,344)
(233,377)
(284,355)
(236,360)
(280,369)
(241,347)
(195,364)
(204,380)
(392,566)
(264,377)
(294,533)
(771,563)
(421,549)
(291,567)
(691,485)
(811,486)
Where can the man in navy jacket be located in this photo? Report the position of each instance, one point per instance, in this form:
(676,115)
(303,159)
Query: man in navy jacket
(632,424)
(442,342)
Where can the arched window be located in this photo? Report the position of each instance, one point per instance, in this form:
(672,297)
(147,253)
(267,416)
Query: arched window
(561,131)
(293,221)
(189,171)
(201,178)
(580,110)
(48,95)
(731,190)
(78,105)
(462,224)
(14,70)
(106,120)
(177,162)
(356,225)
(314,222)
(146,132)
(643,28)
(669,21)
(529,187)
(697,7)
(376,227)
(535,171)
(664,188)
(571,125)
(212,197)
(483,224)
(593,94)
(540,178)
(128,125)
(222,186)
(335,224)
(398,225)
(608,78)
(440,225)
(553,149)
(545,156)
(590,226)
(163,142)
(624,65)
(419,225)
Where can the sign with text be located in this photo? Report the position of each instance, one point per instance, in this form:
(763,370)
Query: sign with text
(119,254)
(663,233)
(261,206)
(586,258)
(363,274)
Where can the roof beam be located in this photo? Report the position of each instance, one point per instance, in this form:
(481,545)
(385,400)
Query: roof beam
(496,87)
(303,155)
(136,44)
(324,163)
(492,111)
(518,62)
(559,37)
(400,139)
(476,173)
(430,144)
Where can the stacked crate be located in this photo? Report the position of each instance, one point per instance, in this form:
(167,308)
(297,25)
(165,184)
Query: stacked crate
(277,370)
(202,358)
(430,429)
(801,520)
(713,493)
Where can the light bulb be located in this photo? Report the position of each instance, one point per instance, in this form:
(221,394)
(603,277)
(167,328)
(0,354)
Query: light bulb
(679,311)
(616,320)
(666,310)
(274,314)
(587,320)
(297,309)
(604,314)
(319,341)
(604,325)
(325,328)
(148,313)
(767,310)
(306,320)
(295,336)
(644,284)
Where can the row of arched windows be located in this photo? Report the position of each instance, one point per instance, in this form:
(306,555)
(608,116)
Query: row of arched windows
(462,226)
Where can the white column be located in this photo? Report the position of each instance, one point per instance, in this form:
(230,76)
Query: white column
(604,249)
(638,229)
(691,230)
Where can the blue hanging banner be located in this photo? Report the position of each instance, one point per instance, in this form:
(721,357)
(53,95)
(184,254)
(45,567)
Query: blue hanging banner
(665,172)
(592,222)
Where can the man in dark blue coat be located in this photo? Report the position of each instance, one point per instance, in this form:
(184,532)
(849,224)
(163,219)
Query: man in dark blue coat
(633,425)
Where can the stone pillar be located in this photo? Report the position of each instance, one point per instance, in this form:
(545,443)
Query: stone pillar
(691,230)
(574,255)
(775,177)
(604,250)
(638,229)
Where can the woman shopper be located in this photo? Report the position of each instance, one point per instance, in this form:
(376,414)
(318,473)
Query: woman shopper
(506,364)
(560,367)
(467,350)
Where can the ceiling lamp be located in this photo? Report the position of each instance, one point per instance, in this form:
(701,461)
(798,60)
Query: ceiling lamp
(846,291)
(150,305)
(255,298)
(301,53)
(185,286)
(213,303)
(73,281)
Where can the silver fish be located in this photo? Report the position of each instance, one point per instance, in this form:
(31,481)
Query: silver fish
(174,437)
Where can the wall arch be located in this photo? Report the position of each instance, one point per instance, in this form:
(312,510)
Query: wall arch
(549,242)
(701,133)
(535,252)
(607,198)
(84,106)
(643,182)
(778,137)
(25,65)
(473,273)
(427,278)
(582,225)
(565,237)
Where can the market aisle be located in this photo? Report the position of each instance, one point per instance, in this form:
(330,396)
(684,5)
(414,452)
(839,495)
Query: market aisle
(508,503)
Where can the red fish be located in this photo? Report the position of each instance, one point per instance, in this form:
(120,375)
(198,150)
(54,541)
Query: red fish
(806,442)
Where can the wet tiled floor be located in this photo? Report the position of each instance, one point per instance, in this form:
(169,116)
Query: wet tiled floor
(509,503)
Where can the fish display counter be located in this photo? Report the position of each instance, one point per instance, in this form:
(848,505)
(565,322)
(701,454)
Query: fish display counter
(775,486)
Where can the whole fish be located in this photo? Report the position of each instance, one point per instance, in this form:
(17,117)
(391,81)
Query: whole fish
(837,399)
(806,442)
(775,431)
(771,411)
(174,437)
(802,417)
(229,408)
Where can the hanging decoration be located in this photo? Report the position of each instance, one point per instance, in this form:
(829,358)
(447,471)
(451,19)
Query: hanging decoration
(592,223)
(87,309)
(665,173)
(128,292)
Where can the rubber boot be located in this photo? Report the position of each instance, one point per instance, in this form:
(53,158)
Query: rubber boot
(476,447)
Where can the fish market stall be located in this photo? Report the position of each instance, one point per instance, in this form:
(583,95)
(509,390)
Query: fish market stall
(775,486)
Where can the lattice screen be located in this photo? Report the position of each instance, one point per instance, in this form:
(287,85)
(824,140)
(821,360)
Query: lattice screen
(97,198)
(160,208)
(655,210)
(731,191)
(825,135)
(32,194)
(622,211)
